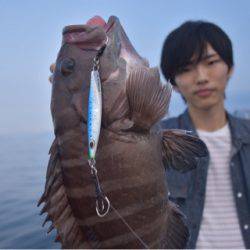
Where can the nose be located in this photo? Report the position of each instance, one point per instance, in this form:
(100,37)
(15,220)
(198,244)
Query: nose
(201,74)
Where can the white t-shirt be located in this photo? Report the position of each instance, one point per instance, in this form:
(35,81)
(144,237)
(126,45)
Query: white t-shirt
(220,225)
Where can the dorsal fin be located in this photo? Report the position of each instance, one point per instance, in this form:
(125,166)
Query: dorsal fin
(57,205)
(148,99)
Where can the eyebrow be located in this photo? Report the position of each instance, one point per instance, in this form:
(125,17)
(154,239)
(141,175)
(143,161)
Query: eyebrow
(209,56)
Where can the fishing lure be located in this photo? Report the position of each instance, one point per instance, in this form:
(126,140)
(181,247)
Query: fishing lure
(94,113)
(94,107)
(94,128)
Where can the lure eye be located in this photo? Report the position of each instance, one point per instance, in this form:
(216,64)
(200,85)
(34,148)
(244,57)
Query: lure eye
(92,144)
(67,66)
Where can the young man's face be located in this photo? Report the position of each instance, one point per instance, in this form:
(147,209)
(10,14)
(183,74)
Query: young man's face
(203,84)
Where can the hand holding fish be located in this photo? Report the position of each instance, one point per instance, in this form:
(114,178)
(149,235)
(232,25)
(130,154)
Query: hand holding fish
(52,70)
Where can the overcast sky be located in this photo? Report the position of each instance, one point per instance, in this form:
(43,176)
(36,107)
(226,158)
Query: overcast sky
(31,36)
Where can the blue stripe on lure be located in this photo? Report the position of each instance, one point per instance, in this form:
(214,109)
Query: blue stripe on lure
(94,113)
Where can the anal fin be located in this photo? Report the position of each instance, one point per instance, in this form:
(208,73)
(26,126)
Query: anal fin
(177,231)
(148,99)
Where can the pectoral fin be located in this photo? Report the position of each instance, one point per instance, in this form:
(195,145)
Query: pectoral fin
(148,99)
(181,150)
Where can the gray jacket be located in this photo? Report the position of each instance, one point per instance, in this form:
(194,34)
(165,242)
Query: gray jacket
(188,189)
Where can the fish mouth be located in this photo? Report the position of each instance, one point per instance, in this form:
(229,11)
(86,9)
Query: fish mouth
(92,22)
(89,35)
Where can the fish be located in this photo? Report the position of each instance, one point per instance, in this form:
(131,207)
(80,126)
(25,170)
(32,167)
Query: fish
(130,151)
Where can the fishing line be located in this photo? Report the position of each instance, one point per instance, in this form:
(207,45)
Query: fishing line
(130,228)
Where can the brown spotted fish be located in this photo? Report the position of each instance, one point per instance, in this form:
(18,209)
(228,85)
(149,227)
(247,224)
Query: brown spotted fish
(130,152)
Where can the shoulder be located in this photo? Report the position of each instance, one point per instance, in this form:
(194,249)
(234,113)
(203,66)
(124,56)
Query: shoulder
(240,125)
(169,123)
(245,124)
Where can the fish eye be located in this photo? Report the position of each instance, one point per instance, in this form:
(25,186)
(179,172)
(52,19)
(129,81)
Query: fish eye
(67,66)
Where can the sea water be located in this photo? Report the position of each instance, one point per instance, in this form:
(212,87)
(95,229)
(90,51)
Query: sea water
(23,164)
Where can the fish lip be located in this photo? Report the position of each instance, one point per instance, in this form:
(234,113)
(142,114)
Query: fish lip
(74,28)
(82,35)
(83,27)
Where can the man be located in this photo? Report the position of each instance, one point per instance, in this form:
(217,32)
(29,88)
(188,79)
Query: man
(197,59)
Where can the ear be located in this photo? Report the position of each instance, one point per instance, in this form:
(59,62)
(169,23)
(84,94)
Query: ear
(230,72)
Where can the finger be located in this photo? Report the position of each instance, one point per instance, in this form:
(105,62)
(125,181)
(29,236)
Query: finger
(51,79)
(52,67)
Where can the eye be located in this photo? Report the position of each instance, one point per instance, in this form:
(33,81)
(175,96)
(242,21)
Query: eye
(186,69)
(67,66)
(213,62)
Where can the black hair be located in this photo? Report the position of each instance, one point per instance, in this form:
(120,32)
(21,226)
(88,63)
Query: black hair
(190,39)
